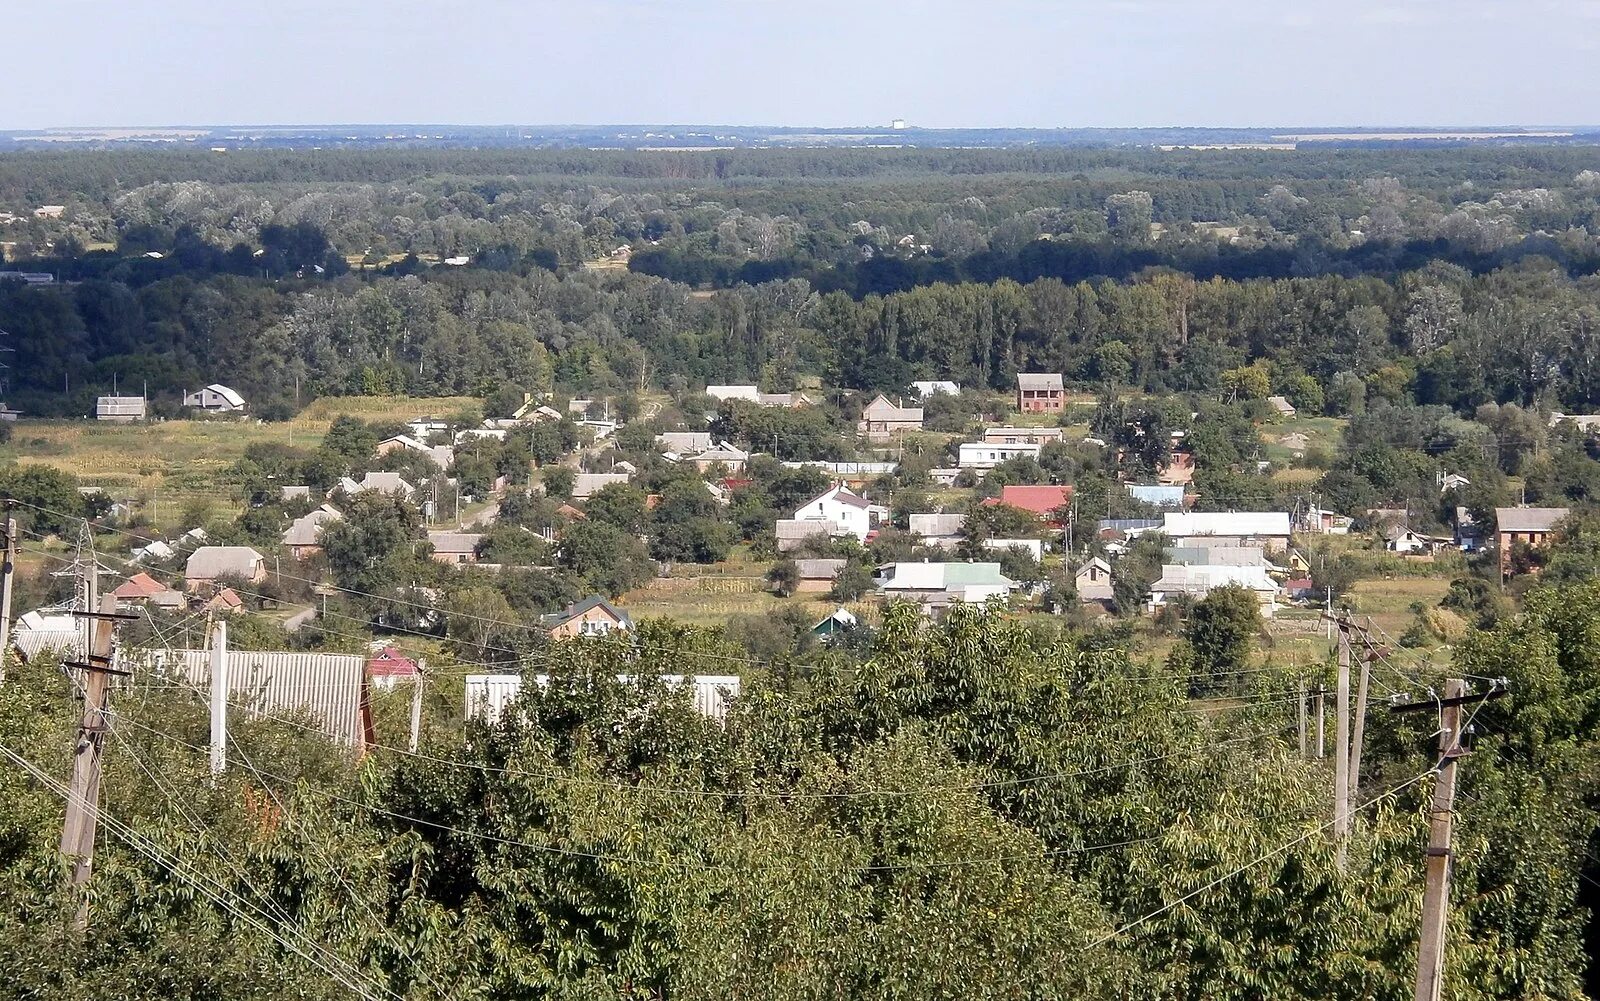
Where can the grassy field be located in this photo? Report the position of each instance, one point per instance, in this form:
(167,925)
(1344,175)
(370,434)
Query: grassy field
(175,463)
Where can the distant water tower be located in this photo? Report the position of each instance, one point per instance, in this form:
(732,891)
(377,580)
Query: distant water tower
(898,124)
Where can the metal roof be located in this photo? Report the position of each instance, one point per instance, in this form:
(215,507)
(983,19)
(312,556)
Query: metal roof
(488,695)
(211,562)
(1529,519)
(935,526)
(1270,524)
(327,687)
(1035,381)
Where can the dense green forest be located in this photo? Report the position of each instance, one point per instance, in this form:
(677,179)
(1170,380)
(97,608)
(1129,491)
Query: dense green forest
(978,809)
(1439,276)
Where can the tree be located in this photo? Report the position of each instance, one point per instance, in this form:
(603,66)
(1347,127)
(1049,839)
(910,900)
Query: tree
(784,577)
(852,582)
(558,481)
(1220,630)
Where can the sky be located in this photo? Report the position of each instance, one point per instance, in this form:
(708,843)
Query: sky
(934,63)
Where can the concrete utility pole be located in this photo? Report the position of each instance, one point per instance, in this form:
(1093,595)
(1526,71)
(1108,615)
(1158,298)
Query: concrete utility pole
(1322,744)
(1341,757)
(416,704)
(1300,687)
(219,696)
(80,825)
(8,571)
(1436,891)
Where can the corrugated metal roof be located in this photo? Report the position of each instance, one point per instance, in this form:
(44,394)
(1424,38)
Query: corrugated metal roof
(488,695)
(1035,381)
(1268,524)
(935,526)
(211,562)
(325,686)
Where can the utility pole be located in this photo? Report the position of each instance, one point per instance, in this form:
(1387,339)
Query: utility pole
(1341,758)
(1300,687)
(1322,744)
(1441,822)
(81,823)
(416,704)
(8,570)
(219,696)
(1359,731)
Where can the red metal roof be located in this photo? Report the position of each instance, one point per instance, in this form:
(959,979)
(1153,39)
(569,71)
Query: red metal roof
(1039,500)
(390,663)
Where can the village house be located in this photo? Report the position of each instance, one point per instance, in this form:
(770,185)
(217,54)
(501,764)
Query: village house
(303,537)
(443,456)
(1040,392)
(1178,469)
(388,667)
(985,455)
(210,564)
(941,531)
(586,485)
(722,394)
(392,484)
(224,602)
(142,589)
(1093,580)
(938,584)
(1218,556)
(817,575)
(1281,406)
(215,398)
(792,533)
(1043,501)
(1199,581)
(928,388)
(842,620)
(593,616)
(1021,436)
(684,443)
(728,456)
(881,419)
(455,548)
(1400,539)
(1268,528)
(1034,548)
(1324,522)
(853,514)
(1530,526)
(120,409)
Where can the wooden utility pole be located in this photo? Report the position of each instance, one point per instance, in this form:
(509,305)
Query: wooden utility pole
(1436,891)
(219,696)
(1341,755)
(79,827)
(8,570)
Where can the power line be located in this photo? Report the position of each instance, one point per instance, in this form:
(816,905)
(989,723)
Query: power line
(189,875)
(1152,915)
(664,863)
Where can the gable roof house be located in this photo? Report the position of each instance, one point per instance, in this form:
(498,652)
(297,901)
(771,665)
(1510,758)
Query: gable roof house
(730,456)
(1022,436)
(586,485)
(208,564)
(593,616)
(389,666)
(1281,406)
(1040,392)
(303,537)
(881,419)
(988,454)
(142,588)
(455,547)
(943,531)
(215,398)
(817,575)
(1043,501)
(392,484)
(1530,526)
(930,387)
(854,514)
(443,456)
(1199,581)
(1093,580)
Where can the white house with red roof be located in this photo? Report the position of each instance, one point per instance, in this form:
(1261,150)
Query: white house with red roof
(389,666)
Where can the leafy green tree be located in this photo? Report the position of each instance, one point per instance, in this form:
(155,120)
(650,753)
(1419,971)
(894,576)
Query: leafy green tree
(1221,629)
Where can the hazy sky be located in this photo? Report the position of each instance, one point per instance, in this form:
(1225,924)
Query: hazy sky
(803,62)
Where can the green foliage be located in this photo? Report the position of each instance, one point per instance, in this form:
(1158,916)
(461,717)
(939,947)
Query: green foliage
(1221,630)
